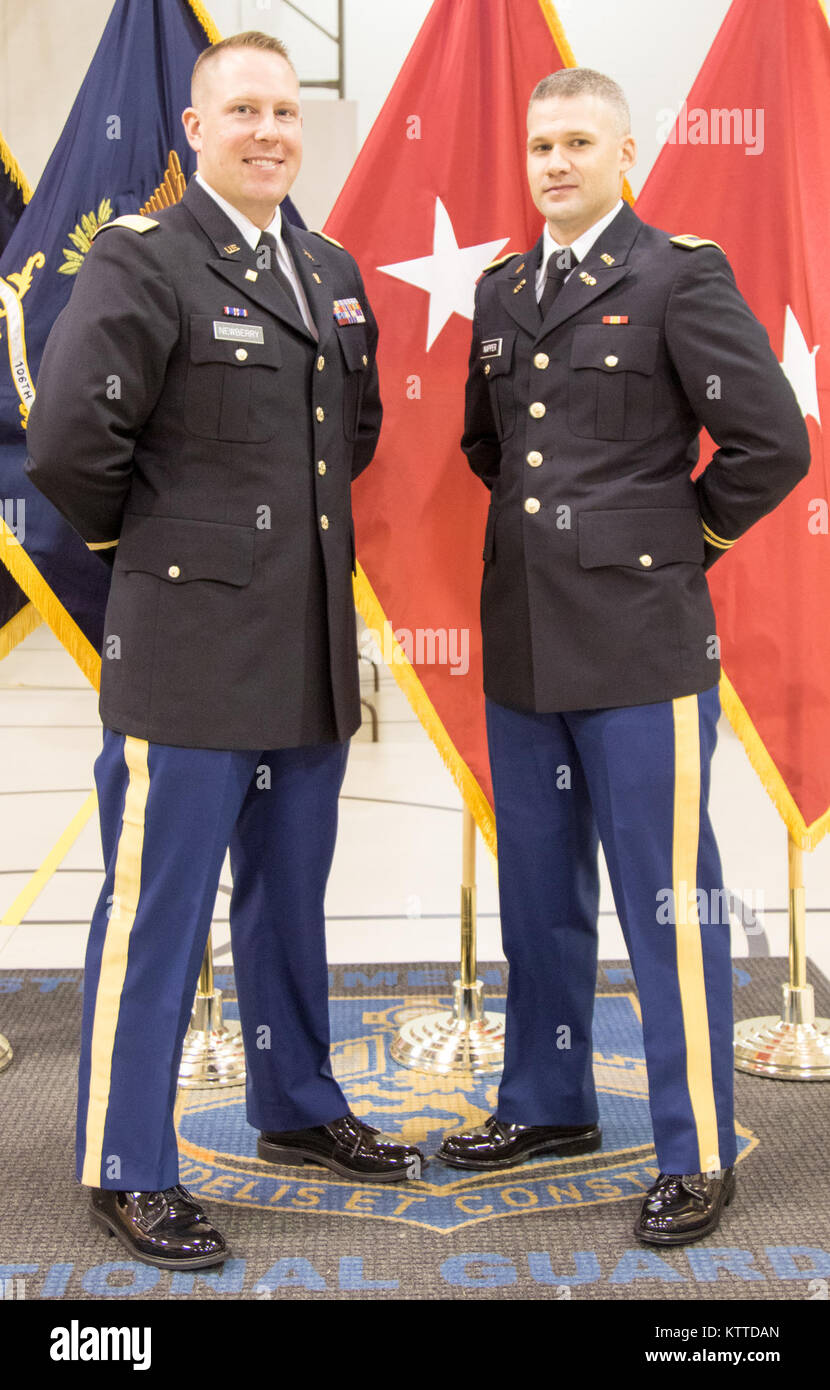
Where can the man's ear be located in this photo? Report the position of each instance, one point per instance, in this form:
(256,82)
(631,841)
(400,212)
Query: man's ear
(192,122)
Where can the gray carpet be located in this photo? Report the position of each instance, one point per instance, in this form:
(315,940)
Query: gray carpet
(553,1229)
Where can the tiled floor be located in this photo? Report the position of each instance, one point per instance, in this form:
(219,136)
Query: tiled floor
(393,893)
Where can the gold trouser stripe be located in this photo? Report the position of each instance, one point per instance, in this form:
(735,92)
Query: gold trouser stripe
(126,889)
(689,945)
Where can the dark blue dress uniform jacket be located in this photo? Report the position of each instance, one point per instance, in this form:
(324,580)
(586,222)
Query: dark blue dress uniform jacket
(586,430)
(222,464)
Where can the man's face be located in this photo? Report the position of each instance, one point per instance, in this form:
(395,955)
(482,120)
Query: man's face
(576,160)
(246,127)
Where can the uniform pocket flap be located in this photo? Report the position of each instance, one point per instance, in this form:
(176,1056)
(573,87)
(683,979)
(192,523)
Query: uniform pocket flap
(615,348)
(352,339)
(236,342)
(495,355)
(643,538)
(178,550)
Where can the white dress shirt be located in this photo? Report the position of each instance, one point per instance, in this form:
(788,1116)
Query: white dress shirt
(580,247)
(252,234)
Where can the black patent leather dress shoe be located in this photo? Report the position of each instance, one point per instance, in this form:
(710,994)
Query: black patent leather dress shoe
(502,1145)
(683,1207)
(167,1228)
(348,1147)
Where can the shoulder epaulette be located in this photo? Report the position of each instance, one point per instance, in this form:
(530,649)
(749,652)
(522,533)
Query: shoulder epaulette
(326,237)
(501,260)
(691,243)
(133,220)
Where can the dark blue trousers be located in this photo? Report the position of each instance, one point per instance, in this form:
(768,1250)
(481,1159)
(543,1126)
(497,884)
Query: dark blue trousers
(638,780)
(168,816)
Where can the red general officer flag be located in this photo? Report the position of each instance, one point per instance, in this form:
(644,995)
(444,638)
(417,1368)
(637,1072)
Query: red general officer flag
(748,165)
(438,191)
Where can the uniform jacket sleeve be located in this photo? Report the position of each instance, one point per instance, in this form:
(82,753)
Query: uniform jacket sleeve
(371,410)
(738,391)
(102,372)
(480,439)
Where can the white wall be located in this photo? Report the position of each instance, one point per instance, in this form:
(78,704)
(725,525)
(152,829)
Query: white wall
(653,47)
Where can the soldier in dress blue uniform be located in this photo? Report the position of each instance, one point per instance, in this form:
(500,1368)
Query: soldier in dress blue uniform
(204,401)
(596,358)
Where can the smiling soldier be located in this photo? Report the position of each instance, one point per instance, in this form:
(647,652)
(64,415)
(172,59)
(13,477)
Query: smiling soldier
(218,481)
(596,358)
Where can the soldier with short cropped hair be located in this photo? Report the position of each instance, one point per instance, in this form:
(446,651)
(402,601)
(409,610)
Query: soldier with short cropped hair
(590,376)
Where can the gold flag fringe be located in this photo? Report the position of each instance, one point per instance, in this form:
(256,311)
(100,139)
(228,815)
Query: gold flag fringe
(205,20)
(807,836)
(17,628)
(34,586)
(14,170)
(369,607)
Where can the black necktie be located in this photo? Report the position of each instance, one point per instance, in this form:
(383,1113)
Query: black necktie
(560,265)
(272,263)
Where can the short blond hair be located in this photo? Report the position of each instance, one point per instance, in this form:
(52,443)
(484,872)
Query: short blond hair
(251,38)
(575,82)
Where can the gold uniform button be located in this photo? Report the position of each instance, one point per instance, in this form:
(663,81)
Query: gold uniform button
(532,505)
(321,362)
(611,361)
(541,360)
(365,360)
(487,369)
(324,522)
(321,467)
(645,561)
(537,410)
(534,458)
(241,354)
(320,413)
(174,571)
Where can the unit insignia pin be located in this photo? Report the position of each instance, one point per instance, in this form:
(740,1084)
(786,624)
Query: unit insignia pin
(609,260)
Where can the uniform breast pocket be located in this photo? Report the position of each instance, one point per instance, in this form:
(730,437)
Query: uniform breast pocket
(231,379)
(611,381)
(496,365)
(352,340)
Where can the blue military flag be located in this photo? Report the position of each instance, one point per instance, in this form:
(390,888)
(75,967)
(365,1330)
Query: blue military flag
(122,146)
(17,616)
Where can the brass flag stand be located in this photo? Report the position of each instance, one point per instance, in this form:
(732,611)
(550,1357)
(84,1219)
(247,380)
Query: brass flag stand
(6,1053)
(796,1046)
(468,1039)
(213,1053)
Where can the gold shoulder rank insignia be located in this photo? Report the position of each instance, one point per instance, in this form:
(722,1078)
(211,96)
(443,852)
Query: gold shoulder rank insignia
(501,260)
(691,243)
(326,237)
(133,220)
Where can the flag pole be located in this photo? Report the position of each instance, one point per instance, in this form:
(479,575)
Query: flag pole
(213,1054)
(467,1039)
(796,1046)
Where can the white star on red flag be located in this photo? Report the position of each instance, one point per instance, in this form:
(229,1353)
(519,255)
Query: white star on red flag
(449,275)
(799,365)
